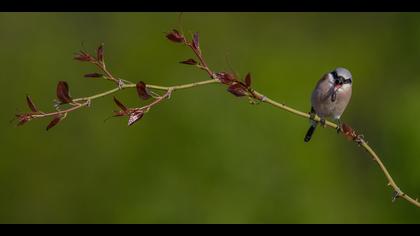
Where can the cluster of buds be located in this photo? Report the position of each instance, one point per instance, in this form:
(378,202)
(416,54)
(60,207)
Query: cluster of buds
(351,134)
(25,117)
(348,132)
(236,87)
(84,56)
(176,37)
(134,114)
(64,97)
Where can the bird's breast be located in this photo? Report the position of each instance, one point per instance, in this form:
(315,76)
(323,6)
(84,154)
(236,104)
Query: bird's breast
(326,107)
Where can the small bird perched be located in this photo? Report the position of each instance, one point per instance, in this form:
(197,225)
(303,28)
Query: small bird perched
(330,97)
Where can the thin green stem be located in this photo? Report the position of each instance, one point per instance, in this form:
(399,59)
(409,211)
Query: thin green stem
(291,110)
(359,141)
(86,101)
(73,108)
(391,181)
(99,95)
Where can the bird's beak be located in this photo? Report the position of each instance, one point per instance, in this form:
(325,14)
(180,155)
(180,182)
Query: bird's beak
(337,87)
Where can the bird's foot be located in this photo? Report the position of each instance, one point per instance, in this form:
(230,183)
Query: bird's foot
(339,127)
(312,116)
(322,122)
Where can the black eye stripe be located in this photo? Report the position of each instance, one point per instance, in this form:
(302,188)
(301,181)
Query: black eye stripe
(337,78)
(347,81)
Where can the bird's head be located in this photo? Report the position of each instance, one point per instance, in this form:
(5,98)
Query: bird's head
(341,78)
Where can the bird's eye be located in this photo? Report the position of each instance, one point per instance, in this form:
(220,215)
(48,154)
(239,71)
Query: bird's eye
(348,81)
(337,81)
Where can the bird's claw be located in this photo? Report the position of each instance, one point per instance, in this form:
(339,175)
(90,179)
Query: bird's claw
(322,122)
(312,116)
(339,127)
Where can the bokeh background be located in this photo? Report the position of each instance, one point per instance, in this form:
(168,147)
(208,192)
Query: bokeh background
(206,156)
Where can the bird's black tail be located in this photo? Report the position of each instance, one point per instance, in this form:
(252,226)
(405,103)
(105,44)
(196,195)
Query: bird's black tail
(308,135)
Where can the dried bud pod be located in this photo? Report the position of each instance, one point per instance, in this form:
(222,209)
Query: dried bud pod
(31,105)
(189,62)
(238,90)
(196,42)
(142,90)
(55,121)
(63,92)
(248,80)
(120,113)
(120,105)
(100,53)
(23,118)
(175,36)
(84,56)
(135,116)
(93,75)
(225,78)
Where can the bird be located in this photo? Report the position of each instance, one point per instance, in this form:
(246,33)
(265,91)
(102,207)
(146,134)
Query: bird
(330,98)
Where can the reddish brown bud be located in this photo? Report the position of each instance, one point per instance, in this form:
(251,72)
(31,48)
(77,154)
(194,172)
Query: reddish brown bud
(135,116)
(120,105)
(120,113)
(84,56)
(23,118)
(54,121)
(93,75)
(100,53)
(348,132)
(31,105)
(175,36)
(189,62)
(248,80)
(238,90)
(196,42)
(225,78)
(142,90)
(63,92)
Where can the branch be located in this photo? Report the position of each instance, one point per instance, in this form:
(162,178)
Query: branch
(357,138)
(239,88)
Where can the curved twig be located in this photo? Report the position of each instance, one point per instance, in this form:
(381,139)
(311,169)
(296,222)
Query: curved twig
(398,193)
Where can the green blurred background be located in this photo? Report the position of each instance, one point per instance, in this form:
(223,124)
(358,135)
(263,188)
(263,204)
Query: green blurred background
(206,156)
